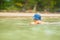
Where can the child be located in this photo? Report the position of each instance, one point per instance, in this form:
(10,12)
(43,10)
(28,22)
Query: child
(36,18)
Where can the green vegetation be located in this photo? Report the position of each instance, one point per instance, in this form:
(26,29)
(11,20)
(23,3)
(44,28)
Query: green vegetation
(21,5)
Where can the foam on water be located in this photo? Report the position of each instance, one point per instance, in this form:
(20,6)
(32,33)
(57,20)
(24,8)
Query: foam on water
(52,23)
(48,32)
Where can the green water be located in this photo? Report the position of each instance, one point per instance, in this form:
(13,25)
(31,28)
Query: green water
(20,29)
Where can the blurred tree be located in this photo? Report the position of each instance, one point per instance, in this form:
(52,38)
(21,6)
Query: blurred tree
(29,4)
